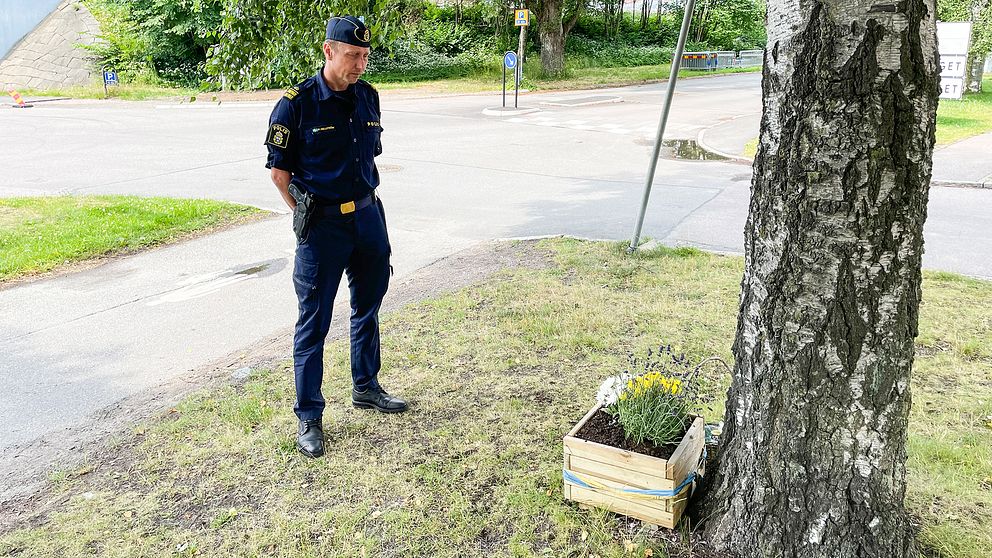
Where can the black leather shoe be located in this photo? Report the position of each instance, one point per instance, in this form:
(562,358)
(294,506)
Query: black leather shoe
(377,399)
(310,439)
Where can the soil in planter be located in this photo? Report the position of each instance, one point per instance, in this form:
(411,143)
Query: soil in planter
(603,429)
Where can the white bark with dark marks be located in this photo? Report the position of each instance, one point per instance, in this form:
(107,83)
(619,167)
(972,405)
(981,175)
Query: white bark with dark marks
(814,446)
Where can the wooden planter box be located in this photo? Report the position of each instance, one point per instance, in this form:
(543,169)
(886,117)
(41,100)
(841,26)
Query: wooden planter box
(648,488)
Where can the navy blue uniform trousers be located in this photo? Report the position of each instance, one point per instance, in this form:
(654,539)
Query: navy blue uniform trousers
(359,246)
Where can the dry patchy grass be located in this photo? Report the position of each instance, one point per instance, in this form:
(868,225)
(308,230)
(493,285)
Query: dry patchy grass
(497,373)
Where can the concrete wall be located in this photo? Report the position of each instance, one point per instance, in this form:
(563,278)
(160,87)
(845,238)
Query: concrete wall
(19,17)
(48,56)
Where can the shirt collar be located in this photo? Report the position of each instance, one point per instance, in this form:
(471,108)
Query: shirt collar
(326,92)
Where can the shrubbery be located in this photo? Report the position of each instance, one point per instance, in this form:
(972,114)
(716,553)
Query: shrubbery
(412,62)
(156,41)
(608,54)
(276,43)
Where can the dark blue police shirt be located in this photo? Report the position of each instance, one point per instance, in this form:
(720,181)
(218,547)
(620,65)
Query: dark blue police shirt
(327,139)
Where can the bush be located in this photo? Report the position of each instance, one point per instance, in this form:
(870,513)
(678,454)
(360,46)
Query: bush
(154,41)
(184,73)
(443,37)
(408,63)
(585,52)
(122,45)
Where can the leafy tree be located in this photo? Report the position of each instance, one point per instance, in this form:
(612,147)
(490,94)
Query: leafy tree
(731,24)
(265,43)
(165,39)
(555,20)
(979,12)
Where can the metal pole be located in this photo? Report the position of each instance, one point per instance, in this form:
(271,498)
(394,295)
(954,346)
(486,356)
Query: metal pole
(504,81)
(516,88)
(521,50)
(676,62)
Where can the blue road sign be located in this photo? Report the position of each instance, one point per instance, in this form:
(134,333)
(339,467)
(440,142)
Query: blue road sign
(110,78)
(510,60)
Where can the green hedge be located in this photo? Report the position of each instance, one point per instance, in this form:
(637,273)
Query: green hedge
(586,52)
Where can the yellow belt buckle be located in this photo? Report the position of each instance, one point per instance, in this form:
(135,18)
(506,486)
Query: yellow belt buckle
(347,208)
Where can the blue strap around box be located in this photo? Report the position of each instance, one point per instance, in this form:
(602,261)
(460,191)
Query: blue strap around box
(572,478)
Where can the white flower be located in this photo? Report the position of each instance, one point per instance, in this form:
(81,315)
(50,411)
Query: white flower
(611,388)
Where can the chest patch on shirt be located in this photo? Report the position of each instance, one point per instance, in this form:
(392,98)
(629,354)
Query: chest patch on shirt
(278,136)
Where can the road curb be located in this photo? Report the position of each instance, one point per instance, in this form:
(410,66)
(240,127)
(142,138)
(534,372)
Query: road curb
(984,185)
(701,142)
(507,111)
(612,100)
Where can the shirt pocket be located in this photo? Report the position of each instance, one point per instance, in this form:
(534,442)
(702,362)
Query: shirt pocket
(323,139)
(373,137)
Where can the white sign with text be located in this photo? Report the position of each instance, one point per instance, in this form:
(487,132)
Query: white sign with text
(953,41)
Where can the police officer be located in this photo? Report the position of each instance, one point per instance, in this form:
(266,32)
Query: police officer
(323,137)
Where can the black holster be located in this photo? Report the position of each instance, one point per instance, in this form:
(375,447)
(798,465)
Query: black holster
(303,213)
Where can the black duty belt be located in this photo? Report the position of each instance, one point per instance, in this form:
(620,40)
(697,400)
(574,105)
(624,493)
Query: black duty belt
(340,210)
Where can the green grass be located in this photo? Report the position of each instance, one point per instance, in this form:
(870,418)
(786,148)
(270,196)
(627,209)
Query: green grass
(972,115)
(497,373)
(42,233)
(127,92)
(751,148)
(577,76)
(956,120)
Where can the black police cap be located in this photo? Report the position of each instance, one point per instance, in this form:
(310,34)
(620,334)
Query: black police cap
(348,29)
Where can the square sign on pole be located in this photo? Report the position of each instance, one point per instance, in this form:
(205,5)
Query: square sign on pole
(953,42)
(109,78)
(521,18)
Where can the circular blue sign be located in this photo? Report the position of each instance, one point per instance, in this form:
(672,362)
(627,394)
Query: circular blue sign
(510,60)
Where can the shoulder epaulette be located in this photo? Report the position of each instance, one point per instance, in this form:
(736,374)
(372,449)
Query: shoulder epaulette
(291,93)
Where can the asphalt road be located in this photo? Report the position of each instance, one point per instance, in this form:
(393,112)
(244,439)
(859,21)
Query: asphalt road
(451,177)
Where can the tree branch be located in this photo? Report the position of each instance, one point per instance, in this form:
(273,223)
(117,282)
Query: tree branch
(580,6)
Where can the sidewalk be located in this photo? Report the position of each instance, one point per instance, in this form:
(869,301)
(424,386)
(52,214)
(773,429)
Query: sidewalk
(965,163)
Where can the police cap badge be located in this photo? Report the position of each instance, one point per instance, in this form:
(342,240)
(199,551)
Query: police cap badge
(348,29)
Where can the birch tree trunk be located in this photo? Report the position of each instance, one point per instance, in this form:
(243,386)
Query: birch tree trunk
(975,73)
(812,461)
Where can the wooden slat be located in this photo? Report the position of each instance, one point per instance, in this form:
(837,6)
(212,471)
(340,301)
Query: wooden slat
(627,459)
(623,506)
(619,485)
(677,505)
(618,468)
(577,427)
(610,471)
(686,456)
